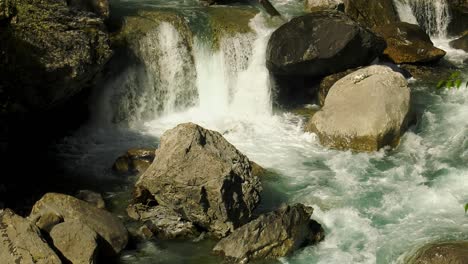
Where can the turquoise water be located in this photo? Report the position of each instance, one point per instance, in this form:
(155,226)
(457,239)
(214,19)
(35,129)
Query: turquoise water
(375,207)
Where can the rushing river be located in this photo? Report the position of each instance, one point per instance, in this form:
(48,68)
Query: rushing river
(375,207)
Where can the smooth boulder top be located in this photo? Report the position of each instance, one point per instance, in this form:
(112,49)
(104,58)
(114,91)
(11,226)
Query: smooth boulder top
(319,44)
(203,177)
(364,111)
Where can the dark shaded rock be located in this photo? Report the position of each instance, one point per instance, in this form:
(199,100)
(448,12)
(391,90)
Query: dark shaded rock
(458,17)
(92,198)
(47,221)
(371,13)
(21,241)
(408,43)
(99,7)
(364,111)
(460,43)
(428,73)
(76,242)
(441,253)
(328,82)
(6,9)
(203,177)
(162,221)
(107,226)
(272,235)
(134,161)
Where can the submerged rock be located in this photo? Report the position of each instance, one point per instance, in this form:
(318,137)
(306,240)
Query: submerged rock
(460,43)
(21,241)
(408,43)
(372,13)
(76,241)
(134,161)
(364,111)
(162,221)
(441,253)
(273,235)
(204,178)
(107,226)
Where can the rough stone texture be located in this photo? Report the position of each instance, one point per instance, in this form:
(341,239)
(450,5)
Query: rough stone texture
(364,111)
(162,221)
(76,241)
(304,46)
(408,43)
(6,9)
(134,161)
(92,198)
(328,82)
(21,241)
(371,13)
(204,178)
(99,7)
(48,54)
(106,225)
(460,43)
(442,253)
(272,235)
(319,5)
(47,221)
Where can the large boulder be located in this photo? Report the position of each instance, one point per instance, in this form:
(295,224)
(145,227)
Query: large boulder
(441,253)
(364,111)
(327,83)
(408,43)
(21,241)
(272,235)
(107,226)
(304,46)
(203,177)
(461,42)
(48,54)
(75,241)
(372,13)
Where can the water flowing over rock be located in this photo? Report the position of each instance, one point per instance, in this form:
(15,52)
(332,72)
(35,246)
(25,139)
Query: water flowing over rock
(371,13)
(107,226)
(21,241)
(441,253)
(273,235)
(76,241)
(364,111)
(204,178)
(408,43)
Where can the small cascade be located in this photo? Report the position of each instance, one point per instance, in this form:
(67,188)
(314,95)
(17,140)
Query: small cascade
(432,15)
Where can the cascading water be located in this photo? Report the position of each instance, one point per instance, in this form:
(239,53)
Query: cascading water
(375,207)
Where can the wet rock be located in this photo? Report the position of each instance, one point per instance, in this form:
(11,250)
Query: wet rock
(99,7)
(107,226)
(371,13)
(202,176)
(428,73)
(134,161)
(162,221)
(364,111)
(320,5)
(21,241)
(441,253)
(76,241)
(273,235)
(92,198)
(408,43)
(460,43)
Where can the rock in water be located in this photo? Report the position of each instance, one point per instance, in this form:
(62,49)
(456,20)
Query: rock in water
(408,43)
(305,46)
(92,198)
(203,177)
(107,226)
(364,111)
(272,235)
(135,160)
(442,253)
(21,241)
(76,241)
(460,43)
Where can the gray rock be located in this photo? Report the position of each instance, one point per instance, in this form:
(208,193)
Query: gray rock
(162,221)
(21,241)
(364,111)
(272,235)
(107,226)
(441,253)
(76,241)
(92,198)
(203,177)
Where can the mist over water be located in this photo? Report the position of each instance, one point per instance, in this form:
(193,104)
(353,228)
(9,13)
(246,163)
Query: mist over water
(375,207)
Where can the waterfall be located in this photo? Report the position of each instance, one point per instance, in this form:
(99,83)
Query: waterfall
(432,15)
